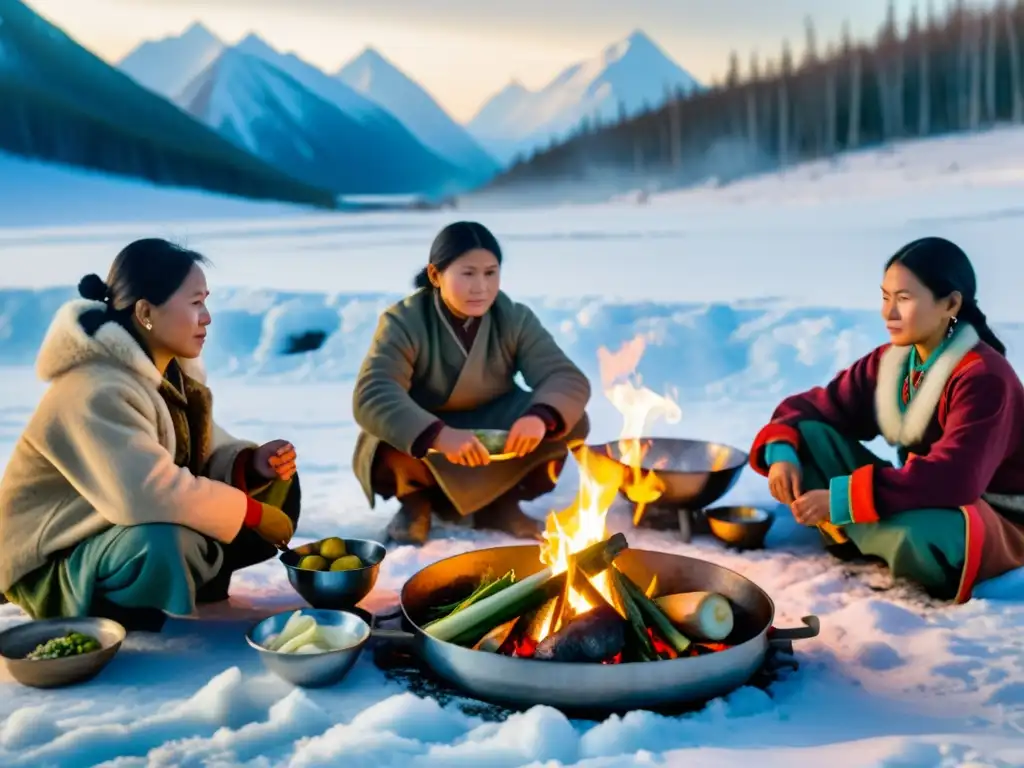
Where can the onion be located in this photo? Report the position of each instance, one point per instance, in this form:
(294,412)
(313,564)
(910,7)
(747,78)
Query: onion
(702,615)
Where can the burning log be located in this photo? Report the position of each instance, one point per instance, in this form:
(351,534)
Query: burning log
(595,636)
(564,612)
(529,629)
(469,625)
(496,638)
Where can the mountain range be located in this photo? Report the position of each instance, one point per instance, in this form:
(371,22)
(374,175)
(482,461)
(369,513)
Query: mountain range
(61,104)
(407,142)
(248,120)
(626,77)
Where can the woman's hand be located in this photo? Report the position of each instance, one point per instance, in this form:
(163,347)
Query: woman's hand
(784,481)
(275,526)
(460,446)
(275,460)
(812,508)
(525,435)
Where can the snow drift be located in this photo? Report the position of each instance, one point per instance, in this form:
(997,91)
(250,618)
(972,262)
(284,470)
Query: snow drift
(752,350)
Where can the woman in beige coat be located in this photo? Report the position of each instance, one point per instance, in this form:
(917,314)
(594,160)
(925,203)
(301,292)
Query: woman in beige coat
(122,497)
(442,363)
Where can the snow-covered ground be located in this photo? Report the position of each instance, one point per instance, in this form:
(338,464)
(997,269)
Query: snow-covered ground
(743,292)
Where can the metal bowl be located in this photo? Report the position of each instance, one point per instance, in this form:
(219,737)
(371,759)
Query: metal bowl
(17,642)
(740,527)
(501,436)
(335,590)
(695,473)
(310,670)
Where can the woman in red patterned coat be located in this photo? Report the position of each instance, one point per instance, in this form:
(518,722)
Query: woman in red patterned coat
(950,514)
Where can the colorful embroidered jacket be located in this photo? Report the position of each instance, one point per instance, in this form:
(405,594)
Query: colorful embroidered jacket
(963,430)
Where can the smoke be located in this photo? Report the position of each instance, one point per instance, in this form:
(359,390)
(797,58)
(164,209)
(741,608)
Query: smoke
(723,162)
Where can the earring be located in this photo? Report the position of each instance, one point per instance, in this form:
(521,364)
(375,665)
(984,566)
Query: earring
(148,325)
(952,327)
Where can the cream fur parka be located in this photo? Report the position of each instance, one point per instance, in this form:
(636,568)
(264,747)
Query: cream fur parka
(99,452)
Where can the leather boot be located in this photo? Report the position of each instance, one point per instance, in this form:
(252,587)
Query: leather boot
(411,524)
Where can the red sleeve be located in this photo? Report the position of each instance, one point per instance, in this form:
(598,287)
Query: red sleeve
(253,512)
(982,423)
(846,403)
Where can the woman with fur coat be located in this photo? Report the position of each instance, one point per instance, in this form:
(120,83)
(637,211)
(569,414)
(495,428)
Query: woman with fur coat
(950,513)
(123,498)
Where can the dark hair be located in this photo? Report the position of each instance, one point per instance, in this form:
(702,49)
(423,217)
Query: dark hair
(150,269)
(455,240)
(944,268)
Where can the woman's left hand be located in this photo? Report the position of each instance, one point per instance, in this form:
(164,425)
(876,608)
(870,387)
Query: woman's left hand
(526,434)
(811,508)
(275,460)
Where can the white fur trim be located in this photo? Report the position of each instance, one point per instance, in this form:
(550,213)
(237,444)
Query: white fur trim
(67,346)
(907,429)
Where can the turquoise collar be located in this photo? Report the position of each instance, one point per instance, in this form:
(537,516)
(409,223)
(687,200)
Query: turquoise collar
(913,367)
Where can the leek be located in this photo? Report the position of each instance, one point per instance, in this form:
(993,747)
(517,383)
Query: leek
(654,614)
(468,625)
(641,649)
(486,589)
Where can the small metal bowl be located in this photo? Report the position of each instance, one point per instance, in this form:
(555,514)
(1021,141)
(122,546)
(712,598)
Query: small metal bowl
(17,642)
(500,435)
(740,527)
(335,590)
(310,670)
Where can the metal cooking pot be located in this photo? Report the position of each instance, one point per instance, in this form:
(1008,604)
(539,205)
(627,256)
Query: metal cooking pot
(695,473)
(526,682)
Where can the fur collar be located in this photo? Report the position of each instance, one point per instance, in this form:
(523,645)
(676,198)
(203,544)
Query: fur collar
(67,346)
(907,429)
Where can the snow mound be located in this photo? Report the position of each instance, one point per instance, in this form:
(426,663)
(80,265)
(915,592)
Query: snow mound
(753,350)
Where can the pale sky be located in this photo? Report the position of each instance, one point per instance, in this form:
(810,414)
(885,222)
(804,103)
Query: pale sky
(463,51)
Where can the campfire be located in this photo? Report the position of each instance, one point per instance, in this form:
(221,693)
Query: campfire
(581,607)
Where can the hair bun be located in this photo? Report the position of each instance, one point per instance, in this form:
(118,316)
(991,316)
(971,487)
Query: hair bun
(92,287)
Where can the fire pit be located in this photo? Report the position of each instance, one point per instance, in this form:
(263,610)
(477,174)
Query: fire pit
(669,479)
(583,618)
(505,665)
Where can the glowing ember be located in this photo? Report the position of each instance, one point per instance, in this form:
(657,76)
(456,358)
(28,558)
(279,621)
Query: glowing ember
(583,523)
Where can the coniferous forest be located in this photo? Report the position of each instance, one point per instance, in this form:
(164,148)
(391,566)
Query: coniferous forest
(937,74)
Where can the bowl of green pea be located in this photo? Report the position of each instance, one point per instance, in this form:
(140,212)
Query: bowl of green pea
(53,653)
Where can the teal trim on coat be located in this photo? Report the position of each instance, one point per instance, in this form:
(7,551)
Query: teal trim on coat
(775,453)
(839,511)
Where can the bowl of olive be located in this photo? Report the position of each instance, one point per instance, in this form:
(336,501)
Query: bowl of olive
(334,573)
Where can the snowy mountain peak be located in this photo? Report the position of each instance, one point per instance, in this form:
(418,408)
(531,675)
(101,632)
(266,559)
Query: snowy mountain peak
(369,68)
(370,56)
(197,34)
(634,73)
(513,88)
(374,76)
(254,45)
(168,65)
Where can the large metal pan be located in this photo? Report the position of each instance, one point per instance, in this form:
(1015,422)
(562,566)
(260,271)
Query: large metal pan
(527,682)
(695,473)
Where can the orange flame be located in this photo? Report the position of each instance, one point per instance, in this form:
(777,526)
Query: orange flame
(583,523)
